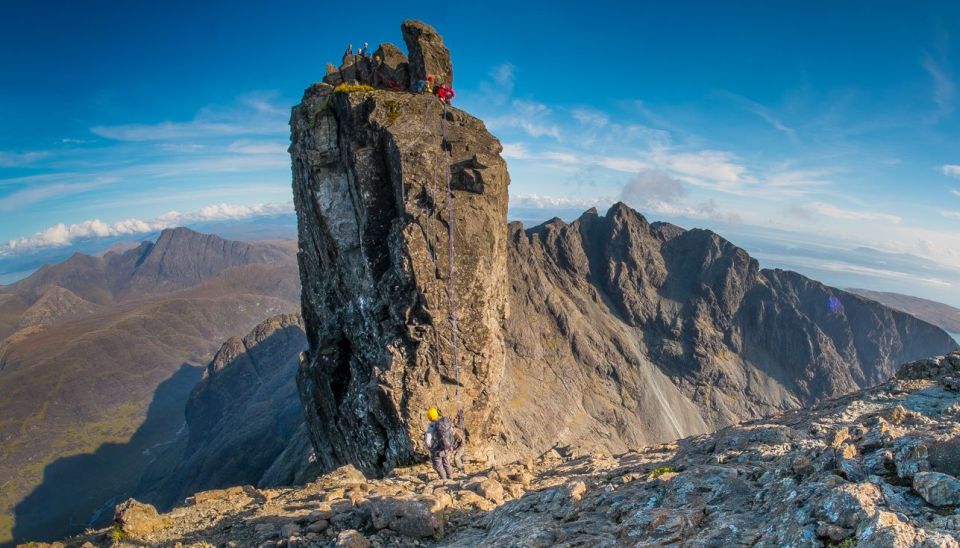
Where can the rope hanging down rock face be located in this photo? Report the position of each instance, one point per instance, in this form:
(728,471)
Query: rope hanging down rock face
(451,276)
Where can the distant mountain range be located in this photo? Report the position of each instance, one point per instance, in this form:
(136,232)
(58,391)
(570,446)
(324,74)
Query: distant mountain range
(17,265)
(98,355)
(626,333)
(939,314)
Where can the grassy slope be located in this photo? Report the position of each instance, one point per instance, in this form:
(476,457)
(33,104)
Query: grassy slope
(74,386)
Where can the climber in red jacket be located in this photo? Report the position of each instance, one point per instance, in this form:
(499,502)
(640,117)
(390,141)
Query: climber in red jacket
(445,93)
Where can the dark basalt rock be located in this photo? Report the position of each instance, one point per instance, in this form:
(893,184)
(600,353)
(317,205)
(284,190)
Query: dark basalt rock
(370,173)
(428,54)
(625,333)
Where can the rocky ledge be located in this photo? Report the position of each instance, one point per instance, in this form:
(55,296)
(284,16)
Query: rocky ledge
(875,468)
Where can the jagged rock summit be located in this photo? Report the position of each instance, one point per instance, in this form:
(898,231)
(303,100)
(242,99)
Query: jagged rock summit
(382,179)
(389,68)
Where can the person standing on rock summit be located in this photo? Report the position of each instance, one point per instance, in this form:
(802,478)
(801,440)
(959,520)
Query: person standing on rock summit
(442,441)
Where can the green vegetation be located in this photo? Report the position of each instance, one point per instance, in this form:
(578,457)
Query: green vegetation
(847,543)
(117,534)
(352,88)
(393,111)
(661,470)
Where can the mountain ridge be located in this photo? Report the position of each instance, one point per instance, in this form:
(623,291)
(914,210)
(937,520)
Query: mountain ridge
(80,367)
(690,313)
(180,258)
(943,315)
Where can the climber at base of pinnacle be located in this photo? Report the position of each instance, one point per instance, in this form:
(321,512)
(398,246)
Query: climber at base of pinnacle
(444,442)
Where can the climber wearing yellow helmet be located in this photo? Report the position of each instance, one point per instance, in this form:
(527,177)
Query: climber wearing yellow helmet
(441,440)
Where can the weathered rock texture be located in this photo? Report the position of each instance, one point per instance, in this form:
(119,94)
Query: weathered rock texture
(244,420)
(824,476)
(370,172)
(625,333)
(428,54)
(389,68)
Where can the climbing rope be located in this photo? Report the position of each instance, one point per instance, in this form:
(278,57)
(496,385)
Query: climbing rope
(451,277)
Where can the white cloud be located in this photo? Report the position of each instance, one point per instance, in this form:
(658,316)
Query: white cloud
(705,165)
(562,157)
(836,212)
(62,234)
(881,273)
(951,214)
(799,178)
(652,190)
(252,116)
(181,147)
(953,170)
(539,201)
(503,76)
(628,165)
(515,151)
(943,86)
(531,117)
(590,117)
(498,89)
(258,147)
(955,191)
(19,159)
(40,193)
(767,114)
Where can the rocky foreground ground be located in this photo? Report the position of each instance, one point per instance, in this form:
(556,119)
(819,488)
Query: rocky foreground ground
(875,468)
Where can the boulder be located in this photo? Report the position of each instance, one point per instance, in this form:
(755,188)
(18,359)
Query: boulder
(411,516)
(944,456)
(887,530)
(850,504)
(332,75)
(937,488)
(576,490)
(137,519)
(428,54)
(351,538)
(229,493)
(390,67)
(910,457)
(289,530)
(487,488)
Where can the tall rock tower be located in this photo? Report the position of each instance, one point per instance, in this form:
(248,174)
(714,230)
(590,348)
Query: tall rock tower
(382,178)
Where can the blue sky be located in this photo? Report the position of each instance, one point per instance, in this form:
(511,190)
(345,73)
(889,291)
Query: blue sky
(820,136)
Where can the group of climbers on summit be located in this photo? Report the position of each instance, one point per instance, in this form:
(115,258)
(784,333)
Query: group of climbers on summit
(443,92)
(362,56)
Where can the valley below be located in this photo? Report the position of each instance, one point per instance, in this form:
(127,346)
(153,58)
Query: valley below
(98,358)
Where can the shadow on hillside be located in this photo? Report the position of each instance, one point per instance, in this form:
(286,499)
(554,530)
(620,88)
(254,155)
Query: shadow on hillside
(80,491)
